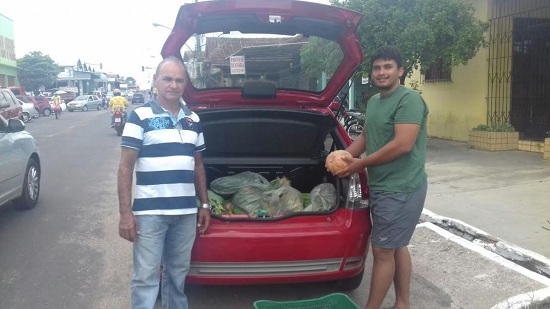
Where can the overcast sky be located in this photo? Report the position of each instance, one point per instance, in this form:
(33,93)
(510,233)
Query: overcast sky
(117,33)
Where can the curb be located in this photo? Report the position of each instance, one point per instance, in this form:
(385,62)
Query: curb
(530,260)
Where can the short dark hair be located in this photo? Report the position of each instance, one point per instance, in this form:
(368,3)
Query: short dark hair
(387,52)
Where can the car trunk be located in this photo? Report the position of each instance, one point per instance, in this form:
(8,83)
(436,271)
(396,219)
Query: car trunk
(274,143)
(248,249)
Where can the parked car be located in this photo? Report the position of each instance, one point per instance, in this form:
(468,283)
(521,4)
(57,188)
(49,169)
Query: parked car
(20,165)
(84,103)
(9,106)
(137,98)
(271,117)
(29,111)
(44,106)
(29,99)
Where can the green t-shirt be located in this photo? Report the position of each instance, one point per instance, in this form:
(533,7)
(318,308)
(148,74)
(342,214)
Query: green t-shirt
(406,173)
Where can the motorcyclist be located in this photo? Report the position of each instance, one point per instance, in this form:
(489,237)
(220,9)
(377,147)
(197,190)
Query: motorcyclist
(118,103)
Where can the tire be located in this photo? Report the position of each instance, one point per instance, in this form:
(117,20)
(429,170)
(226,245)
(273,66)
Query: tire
(25,117)
(31,187)
(85,108)
(98,106)
(70,110)
(47,112)
(119,130)
(350,284)
(354,130)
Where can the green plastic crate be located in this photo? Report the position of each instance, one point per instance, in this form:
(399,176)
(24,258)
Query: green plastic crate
(331,301)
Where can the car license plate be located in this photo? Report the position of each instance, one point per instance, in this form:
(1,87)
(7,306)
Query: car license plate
(118,120)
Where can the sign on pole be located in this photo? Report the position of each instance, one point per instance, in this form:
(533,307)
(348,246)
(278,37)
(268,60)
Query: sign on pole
(236,64)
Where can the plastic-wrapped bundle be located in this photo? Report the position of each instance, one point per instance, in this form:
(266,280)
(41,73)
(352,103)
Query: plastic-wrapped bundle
(322,198)
(282,201)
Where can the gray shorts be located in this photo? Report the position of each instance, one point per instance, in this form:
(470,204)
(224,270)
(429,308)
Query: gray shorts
(395,216)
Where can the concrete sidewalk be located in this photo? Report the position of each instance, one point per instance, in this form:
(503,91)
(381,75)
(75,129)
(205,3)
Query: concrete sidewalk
(506,193)
(498,204)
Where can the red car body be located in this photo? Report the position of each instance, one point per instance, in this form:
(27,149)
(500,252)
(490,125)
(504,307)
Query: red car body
(43,105)
(258,120)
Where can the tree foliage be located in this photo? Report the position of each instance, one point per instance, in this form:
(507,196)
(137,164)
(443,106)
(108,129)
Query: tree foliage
(315,54)
(425,31)
(36,69)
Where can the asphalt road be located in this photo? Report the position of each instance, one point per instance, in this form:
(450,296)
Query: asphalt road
(66,253)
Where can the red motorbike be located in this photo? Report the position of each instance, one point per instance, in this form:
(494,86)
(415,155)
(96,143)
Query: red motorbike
(119,122)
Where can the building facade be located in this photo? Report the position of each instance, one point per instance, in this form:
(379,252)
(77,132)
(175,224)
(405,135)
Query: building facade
(506,82)
(8,64)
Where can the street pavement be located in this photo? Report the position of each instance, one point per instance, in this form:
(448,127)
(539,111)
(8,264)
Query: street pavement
(484,238)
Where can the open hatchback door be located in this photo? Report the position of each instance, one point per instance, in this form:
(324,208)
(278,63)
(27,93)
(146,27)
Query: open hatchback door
(261,76)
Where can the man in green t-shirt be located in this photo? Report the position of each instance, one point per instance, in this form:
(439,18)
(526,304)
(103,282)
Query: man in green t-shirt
(394,141)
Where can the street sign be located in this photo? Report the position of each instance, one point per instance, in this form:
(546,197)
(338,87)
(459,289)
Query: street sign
(236,63)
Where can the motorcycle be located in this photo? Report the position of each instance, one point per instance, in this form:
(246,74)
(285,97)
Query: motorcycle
(353,122)
(120,121)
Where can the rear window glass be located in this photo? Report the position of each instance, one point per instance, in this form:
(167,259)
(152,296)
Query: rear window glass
(293,62)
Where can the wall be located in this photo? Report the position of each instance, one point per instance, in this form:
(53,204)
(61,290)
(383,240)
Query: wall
(8,64)
(459,105)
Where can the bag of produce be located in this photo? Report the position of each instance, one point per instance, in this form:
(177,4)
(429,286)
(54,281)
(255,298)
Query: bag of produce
(228,185)
(282,201)
(248,198)
(322,198)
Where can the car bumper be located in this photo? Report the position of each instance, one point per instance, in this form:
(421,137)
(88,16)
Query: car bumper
(74,106)
(301,249)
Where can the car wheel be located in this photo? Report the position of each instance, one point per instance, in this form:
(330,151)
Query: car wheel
(70,110)
(85,108)
(351,283)
(47,112)
(25,117)
(31,187)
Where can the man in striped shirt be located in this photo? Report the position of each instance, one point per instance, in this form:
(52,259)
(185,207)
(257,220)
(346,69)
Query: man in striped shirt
(163,141)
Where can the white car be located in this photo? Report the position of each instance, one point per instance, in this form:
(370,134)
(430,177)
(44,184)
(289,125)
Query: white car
(29,112)
(19,165)
(84,103)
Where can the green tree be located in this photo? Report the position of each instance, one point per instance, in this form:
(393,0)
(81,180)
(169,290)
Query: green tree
(36,69)
(316,52)
(425,31)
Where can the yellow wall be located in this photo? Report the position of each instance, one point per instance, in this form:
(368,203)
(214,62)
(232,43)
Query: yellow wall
(459,105)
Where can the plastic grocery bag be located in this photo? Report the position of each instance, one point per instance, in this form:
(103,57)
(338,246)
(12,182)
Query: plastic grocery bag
(248,198)
(228,185)
(282,201)
(322,198)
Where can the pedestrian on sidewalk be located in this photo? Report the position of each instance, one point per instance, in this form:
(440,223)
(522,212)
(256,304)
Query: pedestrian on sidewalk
(394,140)
(163,142)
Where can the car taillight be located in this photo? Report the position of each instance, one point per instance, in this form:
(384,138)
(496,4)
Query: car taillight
(354,199)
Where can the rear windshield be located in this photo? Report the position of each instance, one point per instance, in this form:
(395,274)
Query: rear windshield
(293,62)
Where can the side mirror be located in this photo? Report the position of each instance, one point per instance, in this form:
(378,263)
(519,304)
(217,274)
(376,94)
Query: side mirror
(15,125)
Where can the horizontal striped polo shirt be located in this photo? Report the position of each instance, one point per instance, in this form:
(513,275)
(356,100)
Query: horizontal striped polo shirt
(165,177)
